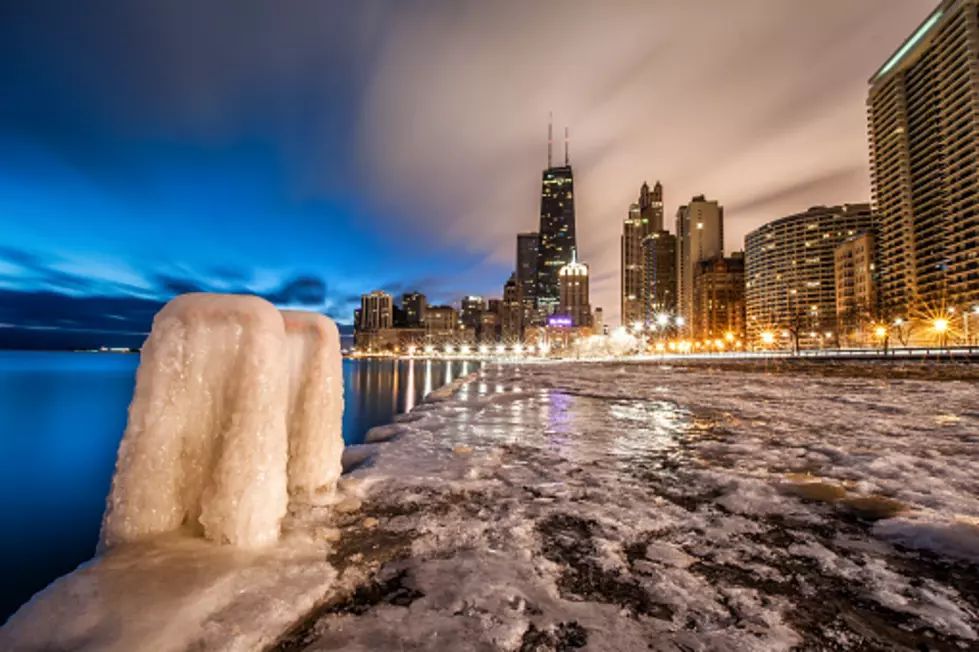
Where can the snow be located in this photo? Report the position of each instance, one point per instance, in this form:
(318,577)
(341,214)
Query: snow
(315,404)
(205,445)
(612,506)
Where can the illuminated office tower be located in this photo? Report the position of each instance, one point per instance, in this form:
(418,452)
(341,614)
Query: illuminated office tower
(557,244)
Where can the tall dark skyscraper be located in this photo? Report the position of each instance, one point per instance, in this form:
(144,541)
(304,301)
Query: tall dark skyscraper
(557,228)
(526,276)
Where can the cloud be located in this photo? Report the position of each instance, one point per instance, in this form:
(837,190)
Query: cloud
(433,114)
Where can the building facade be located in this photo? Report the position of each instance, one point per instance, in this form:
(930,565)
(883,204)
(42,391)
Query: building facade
(376,311)
(923,124)
(699,236)
(856,287)
(719,307)
(414,304)
(557,243)
(512,310)
(574,302)
(659,275)
(598,321)
(644,218)
(527,253)
(441,322)
(473,308)
(790,273)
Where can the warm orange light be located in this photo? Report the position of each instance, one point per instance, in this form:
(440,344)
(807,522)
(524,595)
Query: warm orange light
(729,336)
(880,331)
(940,325)
(767,337)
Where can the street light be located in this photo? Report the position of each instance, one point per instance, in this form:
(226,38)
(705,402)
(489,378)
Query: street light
(663,319)
(448,348)
(767,337)
(880,332)
(940,325)
(729,336)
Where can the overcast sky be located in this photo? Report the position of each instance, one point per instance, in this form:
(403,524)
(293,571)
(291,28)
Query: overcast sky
(399,144)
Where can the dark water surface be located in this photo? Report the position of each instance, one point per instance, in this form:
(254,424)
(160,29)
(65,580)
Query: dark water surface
(61,418)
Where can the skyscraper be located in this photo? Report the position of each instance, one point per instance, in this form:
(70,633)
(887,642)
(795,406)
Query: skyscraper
(574,301)
(414,304)
(557,229)
(718,307)
(645,217)
(376,311)
(856,286)
(659,275)
(527,246)
(699,236)
(472,309)
(923,115)
(512,310)
(790,272)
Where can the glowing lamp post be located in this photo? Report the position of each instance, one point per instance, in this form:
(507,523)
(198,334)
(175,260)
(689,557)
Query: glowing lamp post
(941,327)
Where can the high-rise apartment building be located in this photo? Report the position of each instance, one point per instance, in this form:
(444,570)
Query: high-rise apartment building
(574,301)
(441,321)
(557,244)
(527,252)
(718,305)
(472,309)
(856,286)
(598,321)
(644,218)
(790,272)
(414,304)
(923,123)
(376,311)
(512,310)
(699,236)
(659,275)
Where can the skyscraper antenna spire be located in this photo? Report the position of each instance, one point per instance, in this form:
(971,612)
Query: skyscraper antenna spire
(550,139)
(567,161)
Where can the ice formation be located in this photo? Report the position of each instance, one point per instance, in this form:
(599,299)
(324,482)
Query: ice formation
(315,403)
(205,446)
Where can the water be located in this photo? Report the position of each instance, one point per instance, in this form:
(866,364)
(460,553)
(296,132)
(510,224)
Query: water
(61,418)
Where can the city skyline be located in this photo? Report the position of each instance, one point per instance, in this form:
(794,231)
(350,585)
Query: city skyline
(197,162)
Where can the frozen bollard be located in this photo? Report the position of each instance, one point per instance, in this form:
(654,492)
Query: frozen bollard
(205,446)
(315,404)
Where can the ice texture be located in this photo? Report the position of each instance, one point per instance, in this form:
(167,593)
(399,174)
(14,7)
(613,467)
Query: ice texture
(205,447)
(315,404)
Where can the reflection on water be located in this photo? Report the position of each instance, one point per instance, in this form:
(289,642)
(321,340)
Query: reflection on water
(61,418)
(379,389)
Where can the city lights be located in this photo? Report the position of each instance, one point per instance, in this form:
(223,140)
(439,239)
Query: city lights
(501,349)
(767,337)
(483,349)
(940,325)
(448,348)
(662,319)
(464,349)
(880,332)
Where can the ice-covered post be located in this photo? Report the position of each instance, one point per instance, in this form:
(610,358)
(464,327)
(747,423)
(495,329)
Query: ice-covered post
(315,404)
(206,444)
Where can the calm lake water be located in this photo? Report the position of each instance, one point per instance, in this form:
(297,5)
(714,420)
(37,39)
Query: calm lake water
(61,418)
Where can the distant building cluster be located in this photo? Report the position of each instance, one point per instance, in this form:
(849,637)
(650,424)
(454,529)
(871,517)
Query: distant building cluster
(903,268)
(545,303)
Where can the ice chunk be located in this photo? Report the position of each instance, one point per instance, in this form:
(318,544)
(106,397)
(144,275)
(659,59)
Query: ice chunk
(315,403)
(205,446)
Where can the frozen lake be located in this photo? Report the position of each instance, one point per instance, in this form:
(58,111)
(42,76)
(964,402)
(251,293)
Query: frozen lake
(61,418)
